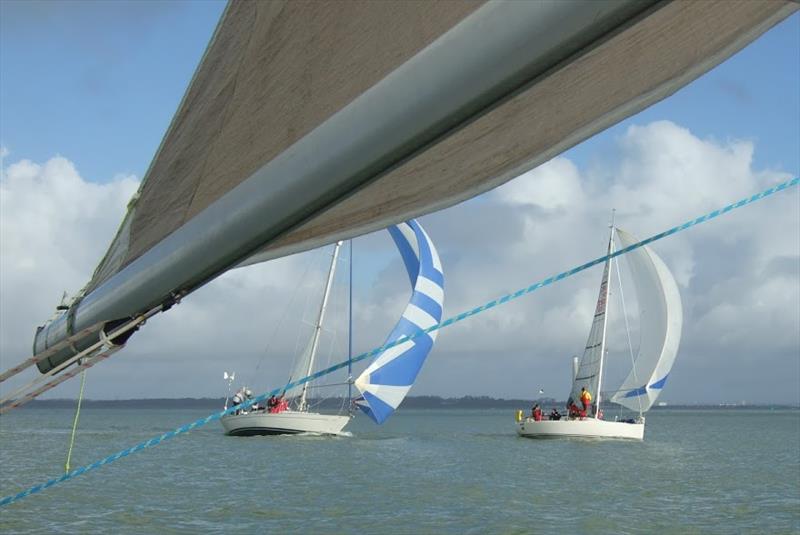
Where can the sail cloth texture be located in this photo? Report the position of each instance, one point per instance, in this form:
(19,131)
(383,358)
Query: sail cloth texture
(589,368)
(274,71)
(660,323)
(387,380)
(311,122)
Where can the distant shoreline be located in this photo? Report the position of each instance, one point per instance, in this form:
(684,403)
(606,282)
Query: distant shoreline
(413,402)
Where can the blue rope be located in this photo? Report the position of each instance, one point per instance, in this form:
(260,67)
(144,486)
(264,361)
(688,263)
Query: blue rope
(455,319)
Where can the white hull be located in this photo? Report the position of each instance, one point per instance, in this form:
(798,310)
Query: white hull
(586,428)
(282,423)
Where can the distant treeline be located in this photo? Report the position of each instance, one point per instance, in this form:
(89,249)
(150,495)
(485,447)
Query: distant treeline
(412,402)
(416,402)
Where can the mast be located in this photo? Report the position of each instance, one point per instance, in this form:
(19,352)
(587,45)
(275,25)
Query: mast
(350,331)
(609,250)
(318,328)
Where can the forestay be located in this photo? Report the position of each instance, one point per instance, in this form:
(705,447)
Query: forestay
(661,317)
(385,382)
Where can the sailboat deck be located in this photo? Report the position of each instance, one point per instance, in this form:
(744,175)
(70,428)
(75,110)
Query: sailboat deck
(586,428)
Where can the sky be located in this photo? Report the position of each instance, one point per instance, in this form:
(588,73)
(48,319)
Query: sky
(87,91)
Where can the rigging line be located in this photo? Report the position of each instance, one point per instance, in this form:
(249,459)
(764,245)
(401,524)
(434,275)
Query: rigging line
(49,351)
(75,422)
(91,355)
(628,332)
(281,319)
(88,362)
(453,319)
(317,261)
(132,324)
(326,385)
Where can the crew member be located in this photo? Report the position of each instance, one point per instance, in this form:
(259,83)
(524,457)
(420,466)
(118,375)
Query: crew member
(586,399)
(237,399)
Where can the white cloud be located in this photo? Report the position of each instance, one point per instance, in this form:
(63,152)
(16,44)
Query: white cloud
(738,278)
(53,228)
(738,274)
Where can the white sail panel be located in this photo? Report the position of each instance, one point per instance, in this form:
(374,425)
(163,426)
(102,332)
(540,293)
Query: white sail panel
(300,368)
(385,382)
(661,319)
(589,368)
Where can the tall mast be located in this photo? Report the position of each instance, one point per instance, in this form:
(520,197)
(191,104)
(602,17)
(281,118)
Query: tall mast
(318,328)
(350,332)
(609,250)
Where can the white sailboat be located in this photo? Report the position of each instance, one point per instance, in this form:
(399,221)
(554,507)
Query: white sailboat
(388,378)
(298,419)
(661,318)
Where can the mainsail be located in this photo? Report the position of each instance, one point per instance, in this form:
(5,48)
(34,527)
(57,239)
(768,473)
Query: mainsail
(387,380)
(590,367)
(661,317)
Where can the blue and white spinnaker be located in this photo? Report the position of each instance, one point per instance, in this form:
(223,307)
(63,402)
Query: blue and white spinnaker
(387,380)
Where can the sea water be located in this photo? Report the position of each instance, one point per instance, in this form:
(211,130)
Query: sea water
(424,471)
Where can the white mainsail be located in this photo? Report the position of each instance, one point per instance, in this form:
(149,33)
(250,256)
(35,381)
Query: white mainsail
(661,318)
(590,366)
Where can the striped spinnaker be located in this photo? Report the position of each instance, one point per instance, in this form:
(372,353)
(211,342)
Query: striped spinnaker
(387,380)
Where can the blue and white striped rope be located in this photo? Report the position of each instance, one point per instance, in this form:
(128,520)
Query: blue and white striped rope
(491,304)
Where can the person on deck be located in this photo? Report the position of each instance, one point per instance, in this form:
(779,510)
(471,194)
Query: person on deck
(586,399)
(575,412)
(236,400)
(536,413)
(282,404)
(554,414)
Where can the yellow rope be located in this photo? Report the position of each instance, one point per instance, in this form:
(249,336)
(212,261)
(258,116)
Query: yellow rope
(75,422)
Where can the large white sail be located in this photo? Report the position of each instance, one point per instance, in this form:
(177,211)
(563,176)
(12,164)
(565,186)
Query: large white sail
(661,318)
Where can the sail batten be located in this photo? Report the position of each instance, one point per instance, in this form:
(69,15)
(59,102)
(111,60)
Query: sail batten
(387,380)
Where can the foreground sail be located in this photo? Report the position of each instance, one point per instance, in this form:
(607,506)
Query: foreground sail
(306,119)
(660,316)
(385,383)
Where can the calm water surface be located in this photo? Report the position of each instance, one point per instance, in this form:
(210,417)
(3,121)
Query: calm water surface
(425,471)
